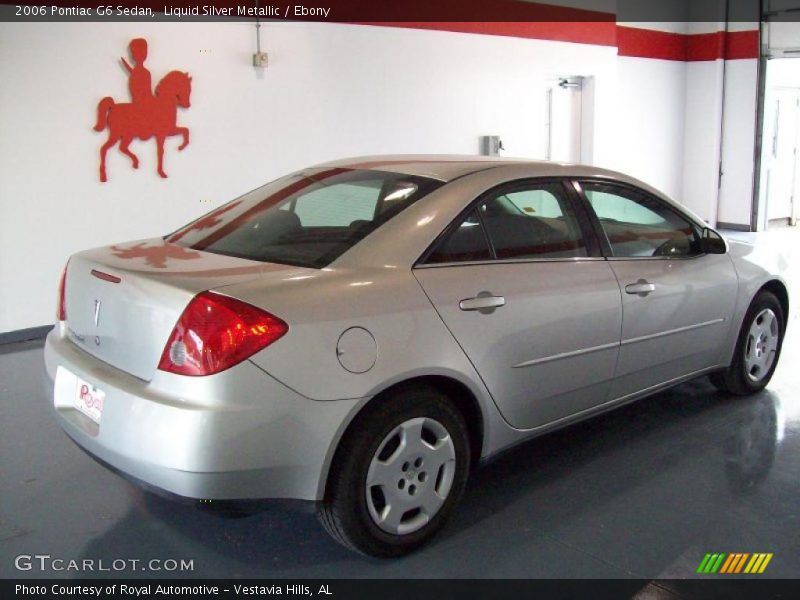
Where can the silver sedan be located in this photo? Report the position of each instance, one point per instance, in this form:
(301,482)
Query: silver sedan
(361,334)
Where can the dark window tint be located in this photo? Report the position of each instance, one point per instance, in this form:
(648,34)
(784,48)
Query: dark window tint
(638,225)
(465,243)
(532,222)
(307,219)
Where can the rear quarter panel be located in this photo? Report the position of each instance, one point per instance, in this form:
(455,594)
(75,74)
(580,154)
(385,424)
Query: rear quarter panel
(411,339)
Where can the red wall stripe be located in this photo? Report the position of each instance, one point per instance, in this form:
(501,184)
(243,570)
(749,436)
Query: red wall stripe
(742,44)
(581,32)
(731,45)
(630,41)
(648,43)
(705,46)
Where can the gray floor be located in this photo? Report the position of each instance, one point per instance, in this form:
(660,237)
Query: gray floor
(645,492)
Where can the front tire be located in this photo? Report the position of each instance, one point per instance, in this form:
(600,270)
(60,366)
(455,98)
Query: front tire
(398,473)
(758,348)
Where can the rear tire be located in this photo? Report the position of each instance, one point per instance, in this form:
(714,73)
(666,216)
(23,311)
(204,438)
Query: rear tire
(758,348)
(398,473)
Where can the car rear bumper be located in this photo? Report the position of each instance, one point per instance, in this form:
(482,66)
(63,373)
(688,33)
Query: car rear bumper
(239,434)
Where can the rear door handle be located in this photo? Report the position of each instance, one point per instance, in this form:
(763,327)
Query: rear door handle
(483,302)
(641,287)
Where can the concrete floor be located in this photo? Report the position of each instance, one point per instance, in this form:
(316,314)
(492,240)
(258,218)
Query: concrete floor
(642,492)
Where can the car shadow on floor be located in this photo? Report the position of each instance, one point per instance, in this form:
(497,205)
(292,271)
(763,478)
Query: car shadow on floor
(548,490)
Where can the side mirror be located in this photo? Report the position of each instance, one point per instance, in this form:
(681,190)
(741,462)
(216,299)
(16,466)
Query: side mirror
(712,242)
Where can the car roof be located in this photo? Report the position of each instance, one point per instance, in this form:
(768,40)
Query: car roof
(447,167)
(403,238)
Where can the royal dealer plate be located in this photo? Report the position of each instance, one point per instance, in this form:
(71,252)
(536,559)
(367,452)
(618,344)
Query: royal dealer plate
(89,399)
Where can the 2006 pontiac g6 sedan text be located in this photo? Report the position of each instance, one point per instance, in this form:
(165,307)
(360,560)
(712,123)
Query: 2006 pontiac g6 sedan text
(362,333)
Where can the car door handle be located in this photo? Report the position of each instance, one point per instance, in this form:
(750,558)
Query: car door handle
(641,287)
(483,302)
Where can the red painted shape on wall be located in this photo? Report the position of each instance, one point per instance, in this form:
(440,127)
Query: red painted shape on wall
(148,114)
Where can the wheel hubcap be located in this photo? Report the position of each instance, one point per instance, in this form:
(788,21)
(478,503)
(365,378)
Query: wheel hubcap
(410,475)
(761,345)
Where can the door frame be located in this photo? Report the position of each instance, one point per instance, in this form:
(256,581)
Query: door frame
(593,243)
(600,233)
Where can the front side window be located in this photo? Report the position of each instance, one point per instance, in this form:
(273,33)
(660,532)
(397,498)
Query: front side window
(533,222)
(638,225)
(308,219)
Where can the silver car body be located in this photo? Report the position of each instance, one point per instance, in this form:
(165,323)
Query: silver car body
(568,343)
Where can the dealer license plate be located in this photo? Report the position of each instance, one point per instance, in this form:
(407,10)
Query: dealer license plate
(89,399)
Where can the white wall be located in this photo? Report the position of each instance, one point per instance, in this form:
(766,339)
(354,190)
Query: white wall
(651,122)
(738,142)
(330,91)
(720,125)
(701,150)
(727,199)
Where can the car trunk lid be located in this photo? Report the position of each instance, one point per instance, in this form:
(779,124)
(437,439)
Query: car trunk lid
(123,301)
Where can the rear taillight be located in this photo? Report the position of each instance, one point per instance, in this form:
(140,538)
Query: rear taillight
(61,307)
(216,332)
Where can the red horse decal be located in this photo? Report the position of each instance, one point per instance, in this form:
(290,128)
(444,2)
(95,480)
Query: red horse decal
(148,115)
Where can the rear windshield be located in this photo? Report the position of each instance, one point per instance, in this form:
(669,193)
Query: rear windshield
(307,219)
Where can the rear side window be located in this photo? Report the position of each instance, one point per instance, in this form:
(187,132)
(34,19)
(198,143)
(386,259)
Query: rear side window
(539,203)
(466,243)
(537,222)
(307,219)
(533,221)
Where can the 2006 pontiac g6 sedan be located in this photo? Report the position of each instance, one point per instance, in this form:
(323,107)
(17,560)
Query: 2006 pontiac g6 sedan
(361,334)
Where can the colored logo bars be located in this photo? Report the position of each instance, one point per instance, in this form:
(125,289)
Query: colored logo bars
(741,562)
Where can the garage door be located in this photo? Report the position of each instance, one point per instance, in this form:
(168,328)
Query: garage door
(782,34)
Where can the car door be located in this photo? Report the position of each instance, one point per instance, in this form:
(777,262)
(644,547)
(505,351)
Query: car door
(677,302)
(520,282)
